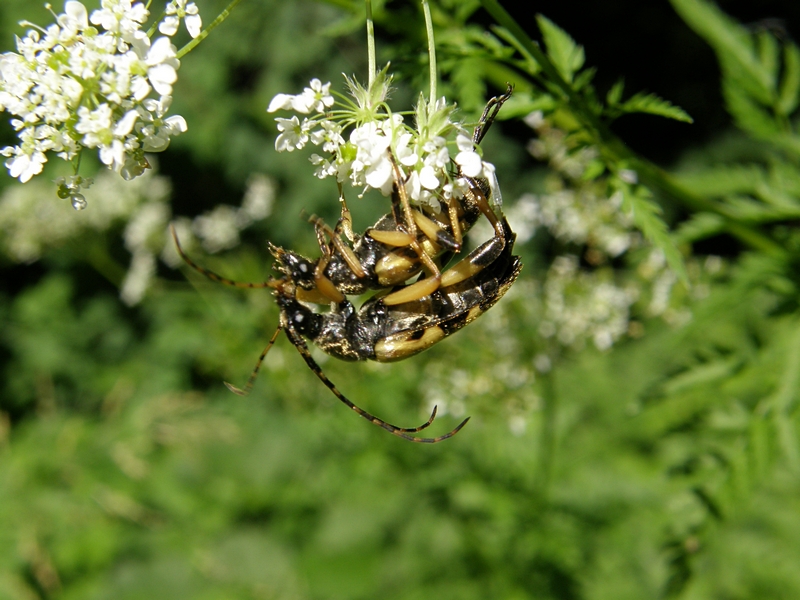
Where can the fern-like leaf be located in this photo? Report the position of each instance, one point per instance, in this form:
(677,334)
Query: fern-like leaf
(653,105)
(699,227)
(733,45)
(647,218)
(789,93)
(567,56)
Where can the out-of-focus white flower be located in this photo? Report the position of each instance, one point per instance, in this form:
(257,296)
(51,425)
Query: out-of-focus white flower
(217,230)
(580,305)
(138,278)
(30,222)
(259,197)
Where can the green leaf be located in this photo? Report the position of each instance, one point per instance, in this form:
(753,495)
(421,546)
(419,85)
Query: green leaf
(653,105)
(742,208)
(647,218)
(733,45)
(467,78)
(699,227)
(584,78)
(717,182)
(787,141)
(769,55)
(522,104)
(567,56)
(614,95)
(531,66)
(789,93)
(749,115)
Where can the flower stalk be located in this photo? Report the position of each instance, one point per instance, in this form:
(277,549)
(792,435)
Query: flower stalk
(362,139)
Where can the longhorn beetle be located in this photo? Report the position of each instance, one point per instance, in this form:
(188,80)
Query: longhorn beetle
(383,332)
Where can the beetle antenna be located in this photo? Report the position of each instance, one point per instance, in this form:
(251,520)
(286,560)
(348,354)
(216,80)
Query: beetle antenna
(489,113)
(210,274)
(299,343)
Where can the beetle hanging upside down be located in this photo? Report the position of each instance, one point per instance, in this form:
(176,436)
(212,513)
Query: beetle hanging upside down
(401,319)
(387,333)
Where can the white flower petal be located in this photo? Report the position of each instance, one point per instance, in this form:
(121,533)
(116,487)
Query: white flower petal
(177,124)
(280,102)
(162,77)
(470,163)
(464,143)
(169,26)
(77,14)
(161,51)
(125,124)
(428,179)
(194,24)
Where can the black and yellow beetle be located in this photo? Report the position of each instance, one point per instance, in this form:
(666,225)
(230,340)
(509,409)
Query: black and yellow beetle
(402,319)
(382,332)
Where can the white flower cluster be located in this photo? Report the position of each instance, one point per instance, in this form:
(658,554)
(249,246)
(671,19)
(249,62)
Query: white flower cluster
(582,213)
(577,216)
(580,304)
(93,81)
(434,157)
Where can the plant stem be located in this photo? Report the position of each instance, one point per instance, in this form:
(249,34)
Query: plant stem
(426,10)
(547,438)
(656,178)
(370,44)
(203,34)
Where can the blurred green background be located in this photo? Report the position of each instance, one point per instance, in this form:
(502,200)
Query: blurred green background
(663,467)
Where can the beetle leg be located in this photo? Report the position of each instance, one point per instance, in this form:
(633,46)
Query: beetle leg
(452,212)
(346,252)
(214,276)
(399,196)
(426,286)
(297,340)
(322,284)
(423,287)
(481,257)
(345,223)
(483,205)
(252,379)
(438,236)
(395,238)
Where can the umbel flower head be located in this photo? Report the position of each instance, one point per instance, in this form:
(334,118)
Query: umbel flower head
(362,138)
(93,81)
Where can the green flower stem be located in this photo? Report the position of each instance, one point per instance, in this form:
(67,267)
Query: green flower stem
(203,34)
(152,31)
(98,257)
(649,174)
(370,44)
(426,10)
(547,436)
